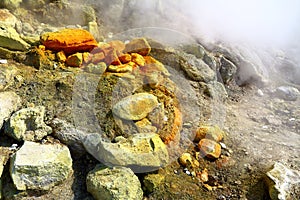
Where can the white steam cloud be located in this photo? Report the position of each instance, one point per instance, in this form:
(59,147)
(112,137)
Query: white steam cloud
(264,27)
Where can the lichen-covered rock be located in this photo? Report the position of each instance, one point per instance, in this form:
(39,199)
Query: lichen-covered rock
(139,45)
(69,40)
(40,166)
(280,181)
(9,102)
(117,183)
(10,39)
(28,124)
(210,148)
(141,152)
(135,107)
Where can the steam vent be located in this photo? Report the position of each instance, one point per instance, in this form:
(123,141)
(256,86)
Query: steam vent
(147,100)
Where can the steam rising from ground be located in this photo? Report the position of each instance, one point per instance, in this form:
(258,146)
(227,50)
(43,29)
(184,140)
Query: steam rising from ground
(262,27)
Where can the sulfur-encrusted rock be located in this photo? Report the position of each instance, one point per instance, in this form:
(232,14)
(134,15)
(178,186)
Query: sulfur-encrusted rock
(152,181)
(209,148)
(28,124)
(74,60)
(141,152)
(280,181)
(40,166)
(7,18)
(10,39)
(135,107)
(117,183)
(139,45)
(69,40)
(209,132)
(9,102)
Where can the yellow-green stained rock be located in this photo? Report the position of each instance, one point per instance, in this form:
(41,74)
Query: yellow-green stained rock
(10,39)
(40,166)
(75,60)
(210,148)
(135,107)
(152,181)
(209,132)
(117,183)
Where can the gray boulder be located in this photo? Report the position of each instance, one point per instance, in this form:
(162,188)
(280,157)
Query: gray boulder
(141,152)
(280,181)
(10,39)
(40,166)
(28,124)
(227,70)
(287,93)
(9,102)
(117,183)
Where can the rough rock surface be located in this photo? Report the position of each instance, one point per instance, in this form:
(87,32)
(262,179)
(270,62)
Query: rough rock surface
(10,39)
(280,181)
(135,107)
(117,183)
(210,148)
(287,93)
(139,45)
(141,152)
(69,40)
(7,18)
(9,102)
(28,124)
(40,166)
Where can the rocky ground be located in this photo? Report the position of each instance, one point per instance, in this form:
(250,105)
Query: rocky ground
(183,120)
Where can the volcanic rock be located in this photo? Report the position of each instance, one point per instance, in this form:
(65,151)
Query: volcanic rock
(128,67)
(138,59)
(139,45)
(287,93)
(152,181)
(28,124)
(141,152)
(125,58)
(135,107)
(209,148)
(9,102)
(75,60)
(69,40)
(280,180)
(145,126)
(10,39)
(40,166)
(10,4)
(227,70)
(209,132)
(99,68)
(7,18)
(116,183)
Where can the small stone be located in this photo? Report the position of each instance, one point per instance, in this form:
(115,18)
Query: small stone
(116,183)
(152,181)
(75,60)
(28,124)
(139,45)
(123,68)
(69,40)
(125,58)
(118,45)
(61,56)
(204,175)
(186,159)
(138,59)
(145,126)
(210,148)
(112,58)
(209,132)
(153,65)
(97,57)
(99,68)
(259,93)
(287,93)
(135,107)
(40,166)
